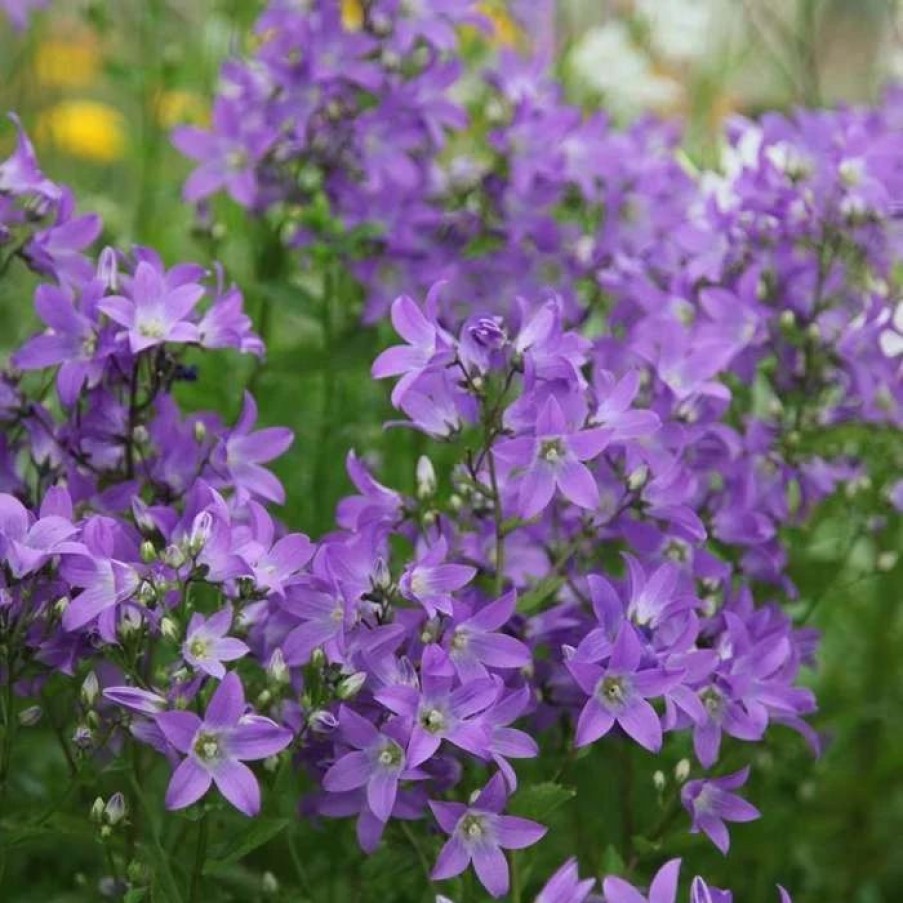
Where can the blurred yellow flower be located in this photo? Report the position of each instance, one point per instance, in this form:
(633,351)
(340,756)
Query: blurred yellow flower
(84,128)
(505,31)
(352,15)
(178,107)
(66,64)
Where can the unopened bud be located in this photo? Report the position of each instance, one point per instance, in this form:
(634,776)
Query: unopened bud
(199,429)
(269,884)
(115,809)
(277,668)
(455,502)
(350,686)
(787,319)
(637,478)
(659,780)
(140,434)
(318,658)
(886,561)
(322,722)
(31,716)
(429,518)
(89,689)
(682,771)
(426,478)
(148,552)
(61,605)
(169,629)
(264,698)
(108,269)
(173,556)
(97,807)
(382,578)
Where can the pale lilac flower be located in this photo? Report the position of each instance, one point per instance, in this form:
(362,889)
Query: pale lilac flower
(206,645)
(565,886)
(378,761)
(711,804)
(662,890)
(154,312)
(479,833)
(553,458)
(618,694)
(217,746)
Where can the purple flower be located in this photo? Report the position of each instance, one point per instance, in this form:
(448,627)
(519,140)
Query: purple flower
(711,804)
(428,344)
(474,644)
(154,312)
(565,886)
(440,711)
(479,833)
(26,543)
(217,746)
(430,582)
(552,458)
(700,892)
(242,452)
(71,340)
(206,645)
(618,694)
(662,890)
(378,761)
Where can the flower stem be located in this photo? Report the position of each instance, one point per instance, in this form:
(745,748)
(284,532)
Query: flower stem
(200,855)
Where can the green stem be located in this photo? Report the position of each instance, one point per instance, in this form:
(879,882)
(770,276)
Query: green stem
(200,856)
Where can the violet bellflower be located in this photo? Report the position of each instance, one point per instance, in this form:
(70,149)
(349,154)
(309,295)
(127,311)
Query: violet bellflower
(553,459)
(378,761)
(478,835)
(206,645)
(217,746)
(711,803)
(618,693)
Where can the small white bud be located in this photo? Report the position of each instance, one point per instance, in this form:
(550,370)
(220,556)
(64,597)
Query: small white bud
(426,478)
(637,478)
(350,686)
(115,809)
(169,629)
(31,716)
(90,689)
(659,780)
(682,771)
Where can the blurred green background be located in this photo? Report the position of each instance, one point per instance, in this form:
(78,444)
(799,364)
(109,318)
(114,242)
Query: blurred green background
(99,86)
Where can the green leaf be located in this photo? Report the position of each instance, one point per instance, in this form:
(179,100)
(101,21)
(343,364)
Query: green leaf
(541,800)
(263,831)
(533,600)
(135,895)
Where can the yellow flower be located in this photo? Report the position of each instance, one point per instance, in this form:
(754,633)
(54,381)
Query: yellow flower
(505,31)
(66,64)
(84,128)
(352,15)
(177,107)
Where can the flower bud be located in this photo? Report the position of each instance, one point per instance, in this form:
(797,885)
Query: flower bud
(96,813)
(682,771)
(173,556)
(115,810)
(148,552)
(108,269)
(382,578)
(636,480)
(350,686)
(426,478)
(199,429)
(318,658)
(277,668)
(169,629)
(61,605)
(269,885)
(886,561)
(322,722)
(264,698)
(31,716)
(659,780)
(89,689)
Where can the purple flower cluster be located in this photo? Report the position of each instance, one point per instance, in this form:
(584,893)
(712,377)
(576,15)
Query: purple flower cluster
(604,561)
(20,11)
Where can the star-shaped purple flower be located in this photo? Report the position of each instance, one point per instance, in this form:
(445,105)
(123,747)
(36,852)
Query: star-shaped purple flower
(217,747)
(479,833)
